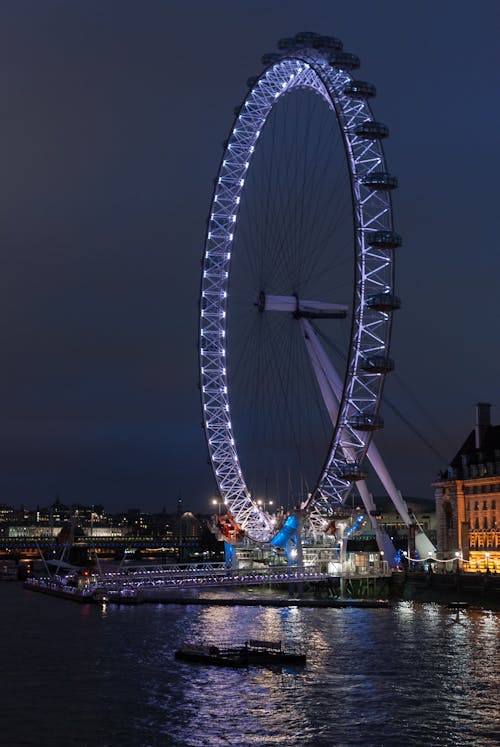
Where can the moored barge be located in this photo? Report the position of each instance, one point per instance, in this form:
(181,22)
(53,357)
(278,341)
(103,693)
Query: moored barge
(252,652)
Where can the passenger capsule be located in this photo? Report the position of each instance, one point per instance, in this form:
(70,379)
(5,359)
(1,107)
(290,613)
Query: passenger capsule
(384,239)
(372,130)
(270,58)
(287,44)
(352,472)
(327,43)
(252,81)
(366,421)
(380,180)
(377,364)
(384,302)
(237,110)
(345,61)
(306,37)
(360,89)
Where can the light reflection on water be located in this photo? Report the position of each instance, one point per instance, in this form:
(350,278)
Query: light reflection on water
(409,675)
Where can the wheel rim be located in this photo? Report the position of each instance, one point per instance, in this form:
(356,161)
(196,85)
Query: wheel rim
(373,269)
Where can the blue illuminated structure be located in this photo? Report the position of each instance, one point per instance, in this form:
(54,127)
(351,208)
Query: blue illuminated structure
(355,526)
(287,533)
(229,555)
(289,538)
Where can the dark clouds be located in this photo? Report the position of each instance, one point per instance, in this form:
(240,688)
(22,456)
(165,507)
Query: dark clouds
(112,118)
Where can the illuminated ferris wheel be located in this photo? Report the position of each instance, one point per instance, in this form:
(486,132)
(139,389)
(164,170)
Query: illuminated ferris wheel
(297,291)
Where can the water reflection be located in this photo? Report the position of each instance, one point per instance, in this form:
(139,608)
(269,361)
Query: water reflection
(363,668)
(409,675)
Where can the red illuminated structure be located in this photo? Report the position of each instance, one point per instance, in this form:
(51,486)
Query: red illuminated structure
(229,528)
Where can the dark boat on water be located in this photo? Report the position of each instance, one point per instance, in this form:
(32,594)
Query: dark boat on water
(250,653)
(458,606)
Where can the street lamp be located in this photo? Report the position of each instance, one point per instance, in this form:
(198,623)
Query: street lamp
(263,503)
(487,556)
(216,502)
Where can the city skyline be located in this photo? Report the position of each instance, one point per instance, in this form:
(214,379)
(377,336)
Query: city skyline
(112,136)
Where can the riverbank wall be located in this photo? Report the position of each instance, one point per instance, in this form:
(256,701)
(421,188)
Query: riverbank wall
(482,590)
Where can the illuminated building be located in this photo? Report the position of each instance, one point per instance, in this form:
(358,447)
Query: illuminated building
(468,499)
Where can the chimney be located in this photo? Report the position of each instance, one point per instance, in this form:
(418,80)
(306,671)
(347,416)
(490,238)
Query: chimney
(483,421)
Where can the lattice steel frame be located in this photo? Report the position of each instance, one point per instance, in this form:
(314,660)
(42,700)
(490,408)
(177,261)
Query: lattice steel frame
(370,334)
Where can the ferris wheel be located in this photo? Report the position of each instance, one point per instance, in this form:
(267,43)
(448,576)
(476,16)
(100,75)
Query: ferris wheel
(297,290)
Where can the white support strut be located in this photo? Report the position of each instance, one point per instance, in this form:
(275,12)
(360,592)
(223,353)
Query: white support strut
(331,401)
(294,304)
(332,388)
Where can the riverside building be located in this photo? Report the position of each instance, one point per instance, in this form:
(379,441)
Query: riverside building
(467,498)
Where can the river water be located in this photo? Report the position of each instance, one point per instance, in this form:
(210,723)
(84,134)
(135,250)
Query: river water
(106,676)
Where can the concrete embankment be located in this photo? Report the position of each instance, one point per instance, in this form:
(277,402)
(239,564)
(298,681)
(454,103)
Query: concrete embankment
(265,601)
(145,595)
(481,590)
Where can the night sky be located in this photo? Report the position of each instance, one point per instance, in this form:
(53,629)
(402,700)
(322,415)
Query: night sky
(112,121)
